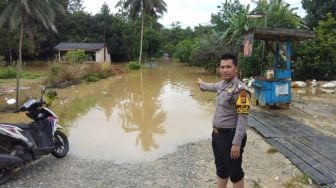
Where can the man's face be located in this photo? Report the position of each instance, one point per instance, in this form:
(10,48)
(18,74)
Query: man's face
(227,70)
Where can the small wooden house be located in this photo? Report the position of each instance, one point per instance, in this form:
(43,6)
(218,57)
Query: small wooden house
(96,52)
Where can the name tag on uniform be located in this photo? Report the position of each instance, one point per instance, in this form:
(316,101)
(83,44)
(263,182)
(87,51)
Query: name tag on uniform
(243,103)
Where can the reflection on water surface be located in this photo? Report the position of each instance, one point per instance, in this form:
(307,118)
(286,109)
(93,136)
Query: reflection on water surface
(137,123)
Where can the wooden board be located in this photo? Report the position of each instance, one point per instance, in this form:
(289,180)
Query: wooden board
(310,150)
(280,34)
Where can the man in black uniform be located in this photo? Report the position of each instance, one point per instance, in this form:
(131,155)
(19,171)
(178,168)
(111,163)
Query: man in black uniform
(229,122)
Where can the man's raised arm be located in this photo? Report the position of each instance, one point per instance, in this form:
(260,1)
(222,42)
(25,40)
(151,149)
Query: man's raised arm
(208,86)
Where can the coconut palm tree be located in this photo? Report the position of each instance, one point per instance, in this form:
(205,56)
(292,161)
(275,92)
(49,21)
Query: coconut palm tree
(276,13)
(136,8)
(25,12)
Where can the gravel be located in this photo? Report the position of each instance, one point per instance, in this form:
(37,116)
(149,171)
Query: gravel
(192,165)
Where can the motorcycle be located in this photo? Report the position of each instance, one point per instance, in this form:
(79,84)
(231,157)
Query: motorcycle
(24,143)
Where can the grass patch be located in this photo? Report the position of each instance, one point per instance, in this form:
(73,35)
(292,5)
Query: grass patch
(272,150)
(7,73)
(29,75)
(10,73)
(298,181)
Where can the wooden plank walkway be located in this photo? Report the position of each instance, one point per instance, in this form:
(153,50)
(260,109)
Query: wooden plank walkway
(309,149)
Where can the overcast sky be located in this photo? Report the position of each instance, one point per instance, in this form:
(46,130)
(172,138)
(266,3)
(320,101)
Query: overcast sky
(188,12)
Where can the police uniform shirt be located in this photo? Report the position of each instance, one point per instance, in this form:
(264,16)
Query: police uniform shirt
(228,113)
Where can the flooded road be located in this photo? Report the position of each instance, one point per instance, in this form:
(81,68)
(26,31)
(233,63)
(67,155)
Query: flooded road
(144,120)
(128,119)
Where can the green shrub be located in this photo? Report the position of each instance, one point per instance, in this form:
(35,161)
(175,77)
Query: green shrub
(92,78)
(60,73)
(50,96)
(132,65)
(106,70)
(7,73)
(94,72)
(76,56)
(184,49)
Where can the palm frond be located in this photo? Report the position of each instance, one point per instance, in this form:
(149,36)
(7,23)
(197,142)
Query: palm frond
(43,11)
(153,8)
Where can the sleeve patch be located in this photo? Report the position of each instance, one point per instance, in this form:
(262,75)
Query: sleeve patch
(243,103)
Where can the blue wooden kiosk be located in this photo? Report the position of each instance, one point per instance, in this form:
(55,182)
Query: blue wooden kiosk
(276,90)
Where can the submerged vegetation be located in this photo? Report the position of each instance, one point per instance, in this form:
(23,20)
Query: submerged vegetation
(132,65)
(60,73)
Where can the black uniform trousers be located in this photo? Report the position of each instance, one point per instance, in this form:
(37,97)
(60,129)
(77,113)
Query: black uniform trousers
(221,146)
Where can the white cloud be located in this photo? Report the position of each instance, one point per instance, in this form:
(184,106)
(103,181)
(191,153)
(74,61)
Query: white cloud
(188,12)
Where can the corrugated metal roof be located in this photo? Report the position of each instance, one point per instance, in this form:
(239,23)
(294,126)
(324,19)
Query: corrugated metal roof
(66,46)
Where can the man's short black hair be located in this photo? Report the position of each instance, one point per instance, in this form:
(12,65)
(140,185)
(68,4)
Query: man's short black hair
(228,56)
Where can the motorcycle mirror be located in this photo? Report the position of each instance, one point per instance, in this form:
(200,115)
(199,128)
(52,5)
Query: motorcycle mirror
(11,101)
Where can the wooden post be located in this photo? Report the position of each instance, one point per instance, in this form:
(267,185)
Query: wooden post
(59,56)
(289,53)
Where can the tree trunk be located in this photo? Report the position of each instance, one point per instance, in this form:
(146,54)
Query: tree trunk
(18,66)
(142,30)
(10,56)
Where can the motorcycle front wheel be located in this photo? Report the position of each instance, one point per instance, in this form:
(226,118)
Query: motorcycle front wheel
(61,144)
(5,175)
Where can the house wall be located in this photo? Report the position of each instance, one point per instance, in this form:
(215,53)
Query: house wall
(100,56)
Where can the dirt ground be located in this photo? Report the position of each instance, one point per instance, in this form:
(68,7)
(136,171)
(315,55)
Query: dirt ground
(318,111)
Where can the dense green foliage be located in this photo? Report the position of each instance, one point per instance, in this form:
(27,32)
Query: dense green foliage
(220,20)
(316,58)
(184,49)
(143,9)
(76,56)
(198,46)
(318,10)
(230,24)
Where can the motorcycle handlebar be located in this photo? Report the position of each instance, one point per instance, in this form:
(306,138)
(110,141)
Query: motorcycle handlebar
(40,103)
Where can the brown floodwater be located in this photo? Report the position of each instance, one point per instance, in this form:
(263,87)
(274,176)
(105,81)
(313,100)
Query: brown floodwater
(145,115)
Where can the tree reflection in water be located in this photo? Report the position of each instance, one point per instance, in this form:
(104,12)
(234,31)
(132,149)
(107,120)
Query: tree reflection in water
(141,111)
